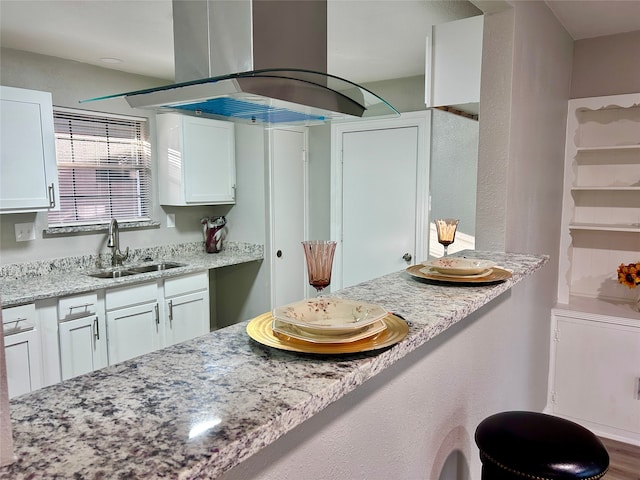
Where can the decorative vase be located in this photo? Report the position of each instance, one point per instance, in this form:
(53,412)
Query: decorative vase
(636,305)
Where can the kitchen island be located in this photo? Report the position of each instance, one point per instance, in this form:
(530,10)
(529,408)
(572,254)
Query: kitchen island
(200,408)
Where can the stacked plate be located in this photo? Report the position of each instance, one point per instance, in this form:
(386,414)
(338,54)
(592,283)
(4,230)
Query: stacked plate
(459,270)
(328,325)
(329,320)
(455,267)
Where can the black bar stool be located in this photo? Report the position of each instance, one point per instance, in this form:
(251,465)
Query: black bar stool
(530,445)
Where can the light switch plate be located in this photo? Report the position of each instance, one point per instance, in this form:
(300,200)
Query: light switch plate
(25,232)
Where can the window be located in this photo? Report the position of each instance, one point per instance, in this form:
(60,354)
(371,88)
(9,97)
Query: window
(104,168)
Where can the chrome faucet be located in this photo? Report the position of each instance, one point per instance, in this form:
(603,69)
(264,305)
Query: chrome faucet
(117,257)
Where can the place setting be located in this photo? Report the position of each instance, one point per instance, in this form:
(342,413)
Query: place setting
(326,325)
(463,270)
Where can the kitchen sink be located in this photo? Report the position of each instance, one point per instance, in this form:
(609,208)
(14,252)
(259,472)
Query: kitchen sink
(111,273)
(125,272)
(156,267)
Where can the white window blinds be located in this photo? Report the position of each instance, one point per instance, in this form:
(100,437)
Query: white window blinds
(104,168)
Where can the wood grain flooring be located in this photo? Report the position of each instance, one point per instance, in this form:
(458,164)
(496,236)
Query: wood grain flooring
(624,460)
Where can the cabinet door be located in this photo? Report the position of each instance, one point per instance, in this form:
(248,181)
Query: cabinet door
(133,331)
(24,362)
(80,346)
(454,63)
(208,157)
(188,317)
(28,171)
(597,370)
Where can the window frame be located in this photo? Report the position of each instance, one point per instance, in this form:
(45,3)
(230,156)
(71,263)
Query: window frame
(139,161)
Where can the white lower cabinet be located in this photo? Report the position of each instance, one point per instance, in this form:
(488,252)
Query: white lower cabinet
(595,373)
(23,351)
(133,321)
(186,307)
(89,331)
(82,335)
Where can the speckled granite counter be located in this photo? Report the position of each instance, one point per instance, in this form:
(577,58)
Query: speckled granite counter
(27,282)
(196,409)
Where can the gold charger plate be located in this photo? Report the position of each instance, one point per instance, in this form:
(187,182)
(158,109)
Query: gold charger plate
(259,329)
(497,275)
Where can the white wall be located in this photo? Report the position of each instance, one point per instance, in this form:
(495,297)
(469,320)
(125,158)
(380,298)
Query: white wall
(595,59)
(245,288)
(417,419)
(454,169)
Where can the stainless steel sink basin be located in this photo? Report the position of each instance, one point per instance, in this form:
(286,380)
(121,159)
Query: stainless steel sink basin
(125,272)
(156,267)
(111,273)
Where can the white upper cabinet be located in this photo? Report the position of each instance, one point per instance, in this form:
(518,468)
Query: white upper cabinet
(28,171)
(196,160)
(454,60)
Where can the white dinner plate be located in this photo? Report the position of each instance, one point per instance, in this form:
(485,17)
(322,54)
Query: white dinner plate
(328,315)
(459,265)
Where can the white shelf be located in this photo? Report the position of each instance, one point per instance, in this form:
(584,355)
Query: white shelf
(629,188)
(634,228)
(599,309)
(608,148)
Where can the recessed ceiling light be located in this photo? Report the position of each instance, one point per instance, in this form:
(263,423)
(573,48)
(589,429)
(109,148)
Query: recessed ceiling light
(110,60)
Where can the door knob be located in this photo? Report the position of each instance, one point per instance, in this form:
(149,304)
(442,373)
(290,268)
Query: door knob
(407,257)
(279,253)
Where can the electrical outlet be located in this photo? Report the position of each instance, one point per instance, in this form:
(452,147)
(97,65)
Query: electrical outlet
(25,232)
(171,220)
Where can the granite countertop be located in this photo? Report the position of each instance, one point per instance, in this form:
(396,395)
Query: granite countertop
(197,409)
(26,283)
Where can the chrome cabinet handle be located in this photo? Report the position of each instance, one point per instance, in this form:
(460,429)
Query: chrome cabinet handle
(96,327)
(157,315)
(52,196)
(171,311)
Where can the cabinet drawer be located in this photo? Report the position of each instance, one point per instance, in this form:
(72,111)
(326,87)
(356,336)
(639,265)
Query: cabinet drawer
(19,319)
(188,283)
(77,306)
(131,295)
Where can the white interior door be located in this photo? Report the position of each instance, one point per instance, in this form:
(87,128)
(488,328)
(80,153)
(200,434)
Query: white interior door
(288,214)
(384,186)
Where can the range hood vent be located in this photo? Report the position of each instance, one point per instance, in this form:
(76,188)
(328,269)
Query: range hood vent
(258,62)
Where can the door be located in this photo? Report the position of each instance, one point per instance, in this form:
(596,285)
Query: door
(188,317)
(24,362)
(384,171)
(133,331)
(28,171)
(288,213)
(597,373)
(80,346)
(208,160)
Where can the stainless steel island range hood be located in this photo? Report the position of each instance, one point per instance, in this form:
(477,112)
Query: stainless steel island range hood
(256,61)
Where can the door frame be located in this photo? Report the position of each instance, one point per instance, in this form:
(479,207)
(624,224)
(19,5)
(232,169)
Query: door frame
(269,253)
(421,120)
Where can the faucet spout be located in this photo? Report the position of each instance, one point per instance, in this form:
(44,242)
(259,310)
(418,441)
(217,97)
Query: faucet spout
(113,242)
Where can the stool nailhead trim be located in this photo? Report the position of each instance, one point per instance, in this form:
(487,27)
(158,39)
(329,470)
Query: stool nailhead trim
(526,475)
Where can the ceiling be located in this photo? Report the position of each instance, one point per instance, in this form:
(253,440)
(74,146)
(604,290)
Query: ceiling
(368,40)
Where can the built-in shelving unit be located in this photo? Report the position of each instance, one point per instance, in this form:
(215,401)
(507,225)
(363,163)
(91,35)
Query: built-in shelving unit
(594,376)
(601,208)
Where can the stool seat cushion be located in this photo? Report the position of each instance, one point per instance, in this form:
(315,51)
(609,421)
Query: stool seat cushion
(539,446)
